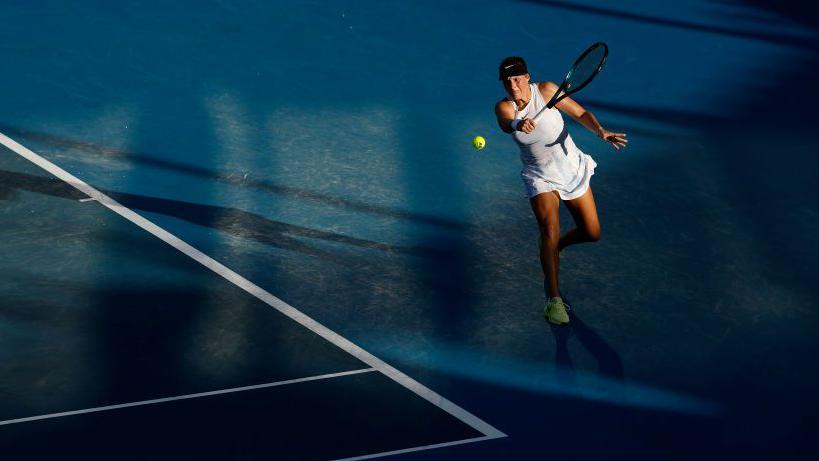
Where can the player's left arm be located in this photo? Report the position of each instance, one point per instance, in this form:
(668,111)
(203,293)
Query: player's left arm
(574,110)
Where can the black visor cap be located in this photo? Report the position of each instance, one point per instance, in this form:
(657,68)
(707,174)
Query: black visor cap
(512,69)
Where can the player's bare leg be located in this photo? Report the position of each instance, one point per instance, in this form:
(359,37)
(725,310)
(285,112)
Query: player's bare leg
(545,207)
(587,224)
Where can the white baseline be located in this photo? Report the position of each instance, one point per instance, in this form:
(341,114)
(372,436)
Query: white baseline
(184,397)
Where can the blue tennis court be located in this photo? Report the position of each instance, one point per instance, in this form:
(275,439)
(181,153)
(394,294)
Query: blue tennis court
(259,230)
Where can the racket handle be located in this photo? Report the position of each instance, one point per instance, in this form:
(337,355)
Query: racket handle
(549,105)
(539,115)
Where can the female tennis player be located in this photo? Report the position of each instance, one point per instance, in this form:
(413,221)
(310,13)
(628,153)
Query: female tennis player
(554,169)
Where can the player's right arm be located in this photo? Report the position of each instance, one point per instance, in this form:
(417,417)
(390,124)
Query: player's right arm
(505,113)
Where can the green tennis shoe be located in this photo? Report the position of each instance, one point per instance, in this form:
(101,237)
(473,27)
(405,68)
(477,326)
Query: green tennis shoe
(555,311)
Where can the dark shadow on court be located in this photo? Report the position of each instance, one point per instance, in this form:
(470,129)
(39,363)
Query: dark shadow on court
(236,179)
(545,426)
(803,44)
(179,340)
(794,10)
(670,115)
(230,220)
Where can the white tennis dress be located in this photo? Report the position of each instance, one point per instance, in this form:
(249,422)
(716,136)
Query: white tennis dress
(551,160)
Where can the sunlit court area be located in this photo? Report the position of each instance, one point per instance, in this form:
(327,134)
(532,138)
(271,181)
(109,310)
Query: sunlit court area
(302,230)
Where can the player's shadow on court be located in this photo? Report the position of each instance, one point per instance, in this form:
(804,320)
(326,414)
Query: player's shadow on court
(608,360)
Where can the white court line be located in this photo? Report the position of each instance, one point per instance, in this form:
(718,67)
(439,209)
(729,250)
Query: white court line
(410,450)
(250,287)
(184,397)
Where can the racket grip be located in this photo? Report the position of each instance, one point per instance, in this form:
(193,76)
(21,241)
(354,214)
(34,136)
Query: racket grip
(539,115)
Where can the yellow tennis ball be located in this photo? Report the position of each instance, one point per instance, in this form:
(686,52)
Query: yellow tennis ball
(479,143)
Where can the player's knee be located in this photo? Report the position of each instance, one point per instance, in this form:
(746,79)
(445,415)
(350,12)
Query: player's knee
(593,233)
(549,234)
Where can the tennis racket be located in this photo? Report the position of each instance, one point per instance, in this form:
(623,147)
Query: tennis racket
(583,71)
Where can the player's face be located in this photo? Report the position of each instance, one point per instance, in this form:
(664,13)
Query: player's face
(517,86)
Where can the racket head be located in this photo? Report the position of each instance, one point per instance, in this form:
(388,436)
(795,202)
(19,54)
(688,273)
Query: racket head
(582,72)
(586,67)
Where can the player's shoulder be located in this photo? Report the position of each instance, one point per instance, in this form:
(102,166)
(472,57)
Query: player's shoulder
(547,86)
(504,105)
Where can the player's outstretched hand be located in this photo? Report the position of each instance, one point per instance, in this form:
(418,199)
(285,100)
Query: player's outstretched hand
(617,140)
